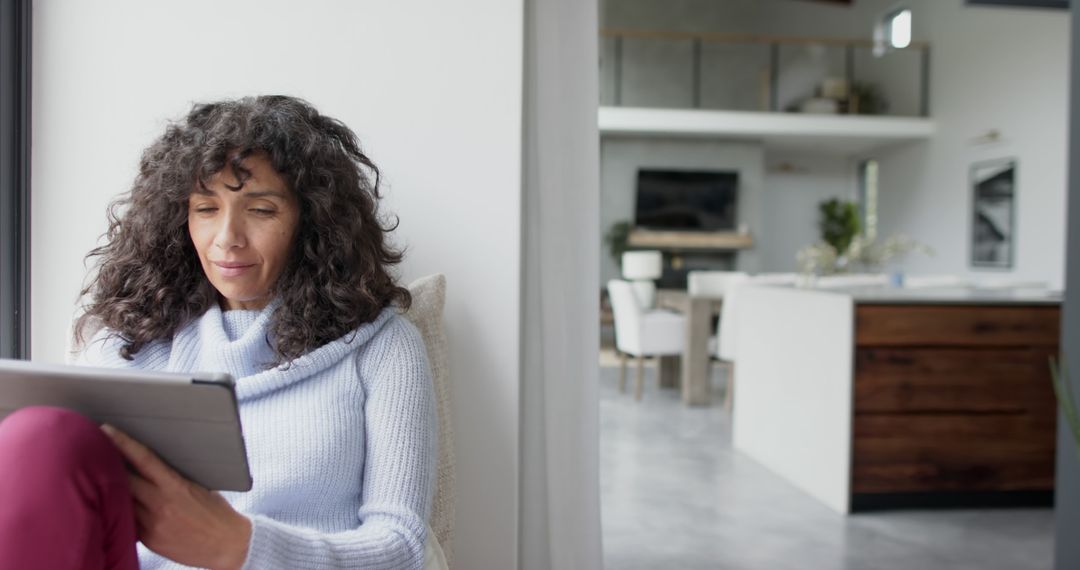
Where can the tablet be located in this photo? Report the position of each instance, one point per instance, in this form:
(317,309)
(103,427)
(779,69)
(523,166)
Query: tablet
(190,420)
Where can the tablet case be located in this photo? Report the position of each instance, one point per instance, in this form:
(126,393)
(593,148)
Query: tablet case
(190,420)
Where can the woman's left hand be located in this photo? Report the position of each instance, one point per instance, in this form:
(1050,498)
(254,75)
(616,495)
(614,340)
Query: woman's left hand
(178,519)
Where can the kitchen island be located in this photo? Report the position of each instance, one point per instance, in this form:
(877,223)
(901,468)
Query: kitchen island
(879,398)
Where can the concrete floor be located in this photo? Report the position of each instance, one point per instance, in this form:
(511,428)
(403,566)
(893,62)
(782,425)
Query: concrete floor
(676,495)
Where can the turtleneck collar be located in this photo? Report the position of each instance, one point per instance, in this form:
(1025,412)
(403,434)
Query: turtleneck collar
(238,342)
(235,321)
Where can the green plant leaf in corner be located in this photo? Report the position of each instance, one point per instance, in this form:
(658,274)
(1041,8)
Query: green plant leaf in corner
(1064,392)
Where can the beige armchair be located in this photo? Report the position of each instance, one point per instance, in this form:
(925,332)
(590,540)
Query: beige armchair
(429,296)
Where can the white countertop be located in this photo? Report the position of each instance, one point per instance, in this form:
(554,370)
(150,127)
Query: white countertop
(948,296)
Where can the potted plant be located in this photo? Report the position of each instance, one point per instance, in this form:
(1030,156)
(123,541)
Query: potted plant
(866,99)
(616,238)
(839,223)
(842,247)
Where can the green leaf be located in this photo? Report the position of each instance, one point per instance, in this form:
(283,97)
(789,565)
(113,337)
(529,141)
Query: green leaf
(1064,392)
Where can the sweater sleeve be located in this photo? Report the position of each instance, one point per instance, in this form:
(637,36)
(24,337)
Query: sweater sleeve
(399,474)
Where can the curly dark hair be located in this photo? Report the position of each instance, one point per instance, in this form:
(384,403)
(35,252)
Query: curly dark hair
(149,281)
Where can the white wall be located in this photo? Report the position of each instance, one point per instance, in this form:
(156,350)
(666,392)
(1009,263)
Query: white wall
(436,100)
(794,186)
(620,159)
(993,68)
(560,454)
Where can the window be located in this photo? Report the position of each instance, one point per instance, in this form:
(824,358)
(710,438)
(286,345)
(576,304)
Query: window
(898,28)
(14,177)
(892,31)
(868,197)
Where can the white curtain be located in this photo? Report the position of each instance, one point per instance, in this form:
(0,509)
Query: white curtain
(560,501)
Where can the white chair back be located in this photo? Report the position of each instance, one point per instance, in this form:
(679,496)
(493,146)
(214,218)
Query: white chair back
(645,292)
(712,283)
(627,312)
(790,279)
(727,328)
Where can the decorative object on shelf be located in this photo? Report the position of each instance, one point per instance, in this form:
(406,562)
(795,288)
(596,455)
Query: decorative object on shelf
(866,99)
(819,106)
(835,88)
(991,136)
(616,237)
(993,213)
(642,268)
(1063,391)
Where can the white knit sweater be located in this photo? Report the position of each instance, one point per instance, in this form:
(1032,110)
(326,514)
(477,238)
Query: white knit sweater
(342,443)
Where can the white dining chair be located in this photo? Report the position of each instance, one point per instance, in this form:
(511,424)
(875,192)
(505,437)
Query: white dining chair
(642,333)
(723,345)
(781,279)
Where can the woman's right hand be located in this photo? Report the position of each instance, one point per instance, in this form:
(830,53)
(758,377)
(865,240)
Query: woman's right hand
(179,519)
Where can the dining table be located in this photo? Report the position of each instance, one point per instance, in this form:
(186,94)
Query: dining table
(692,368)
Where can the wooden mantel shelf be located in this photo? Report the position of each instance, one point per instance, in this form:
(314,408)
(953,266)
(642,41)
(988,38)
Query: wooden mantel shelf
(689,240)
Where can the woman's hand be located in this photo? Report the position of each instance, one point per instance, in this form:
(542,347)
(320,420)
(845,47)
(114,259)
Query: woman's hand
(178,519)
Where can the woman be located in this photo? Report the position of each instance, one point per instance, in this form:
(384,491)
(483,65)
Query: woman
(251,244)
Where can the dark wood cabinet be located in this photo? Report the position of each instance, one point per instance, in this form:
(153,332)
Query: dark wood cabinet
(953,399)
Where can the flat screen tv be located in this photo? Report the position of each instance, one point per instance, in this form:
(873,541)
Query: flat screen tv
(686,200)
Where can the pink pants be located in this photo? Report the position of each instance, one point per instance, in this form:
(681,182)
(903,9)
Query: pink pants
(64,498)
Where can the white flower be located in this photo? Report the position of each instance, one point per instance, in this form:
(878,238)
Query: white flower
(822,259)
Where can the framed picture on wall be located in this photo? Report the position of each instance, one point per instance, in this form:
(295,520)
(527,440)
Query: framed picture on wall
(1061,4)
(993,213)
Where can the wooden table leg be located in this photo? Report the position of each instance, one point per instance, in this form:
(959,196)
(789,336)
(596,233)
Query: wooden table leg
(695,359)
(669,371)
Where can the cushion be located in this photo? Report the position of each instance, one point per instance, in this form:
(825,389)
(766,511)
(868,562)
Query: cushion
(429,295)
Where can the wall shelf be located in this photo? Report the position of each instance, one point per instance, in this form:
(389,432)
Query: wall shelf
(689,241)
(833,134)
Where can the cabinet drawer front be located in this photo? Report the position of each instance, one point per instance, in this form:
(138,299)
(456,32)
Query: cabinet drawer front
(919,453)
(956,325)
(976,380)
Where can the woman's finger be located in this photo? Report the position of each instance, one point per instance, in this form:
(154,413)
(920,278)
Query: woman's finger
(141,515)
(144,492)
(145,461)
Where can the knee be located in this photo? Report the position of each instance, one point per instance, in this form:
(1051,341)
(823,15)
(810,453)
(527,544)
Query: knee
(59,433)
